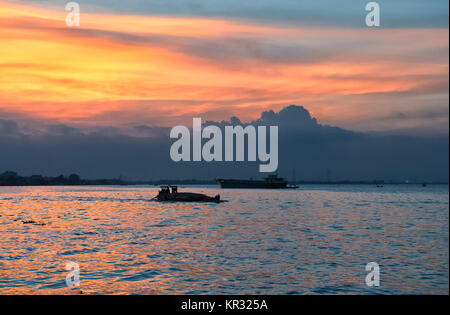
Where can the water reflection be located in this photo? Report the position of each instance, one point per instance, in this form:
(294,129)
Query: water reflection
(311,241)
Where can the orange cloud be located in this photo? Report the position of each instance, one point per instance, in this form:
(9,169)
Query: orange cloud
(170,67)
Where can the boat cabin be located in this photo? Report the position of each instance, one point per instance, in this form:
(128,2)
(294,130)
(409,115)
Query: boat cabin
(167,189)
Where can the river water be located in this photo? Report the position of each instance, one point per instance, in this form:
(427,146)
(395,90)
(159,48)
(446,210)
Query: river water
(314,240)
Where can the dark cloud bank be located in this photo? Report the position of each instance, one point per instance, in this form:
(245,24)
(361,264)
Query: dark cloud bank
(315,152)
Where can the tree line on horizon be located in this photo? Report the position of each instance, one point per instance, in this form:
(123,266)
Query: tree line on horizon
(10,178)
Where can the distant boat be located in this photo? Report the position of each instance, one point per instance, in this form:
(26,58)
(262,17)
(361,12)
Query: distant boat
(165,194)
(270,182)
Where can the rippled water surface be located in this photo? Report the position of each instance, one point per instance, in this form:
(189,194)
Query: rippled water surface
(316,240)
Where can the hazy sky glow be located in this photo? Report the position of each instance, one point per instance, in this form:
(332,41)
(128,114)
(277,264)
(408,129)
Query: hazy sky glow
(166,61)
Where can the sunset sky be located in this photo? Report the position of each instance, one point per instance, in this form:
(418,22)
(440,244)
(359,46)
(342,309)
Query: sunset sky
(161,62)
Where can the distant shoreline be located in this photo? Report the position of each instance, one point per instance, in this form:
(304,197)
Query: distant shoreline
(13,179)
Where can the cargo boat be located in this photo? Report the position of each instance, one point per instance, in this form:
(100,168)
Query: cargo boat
(270,182)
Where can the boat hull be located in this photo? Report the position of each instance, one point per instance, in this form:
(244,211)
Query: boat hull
(187,197)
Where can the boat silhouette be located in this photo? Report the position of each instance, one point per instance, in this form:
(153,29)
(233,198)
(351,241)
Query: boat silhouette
(170,193)
(270,182)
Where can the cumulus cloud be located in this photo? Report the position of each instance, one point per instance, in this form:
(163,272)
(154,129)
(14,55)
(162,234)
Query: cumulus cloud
(312,149)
